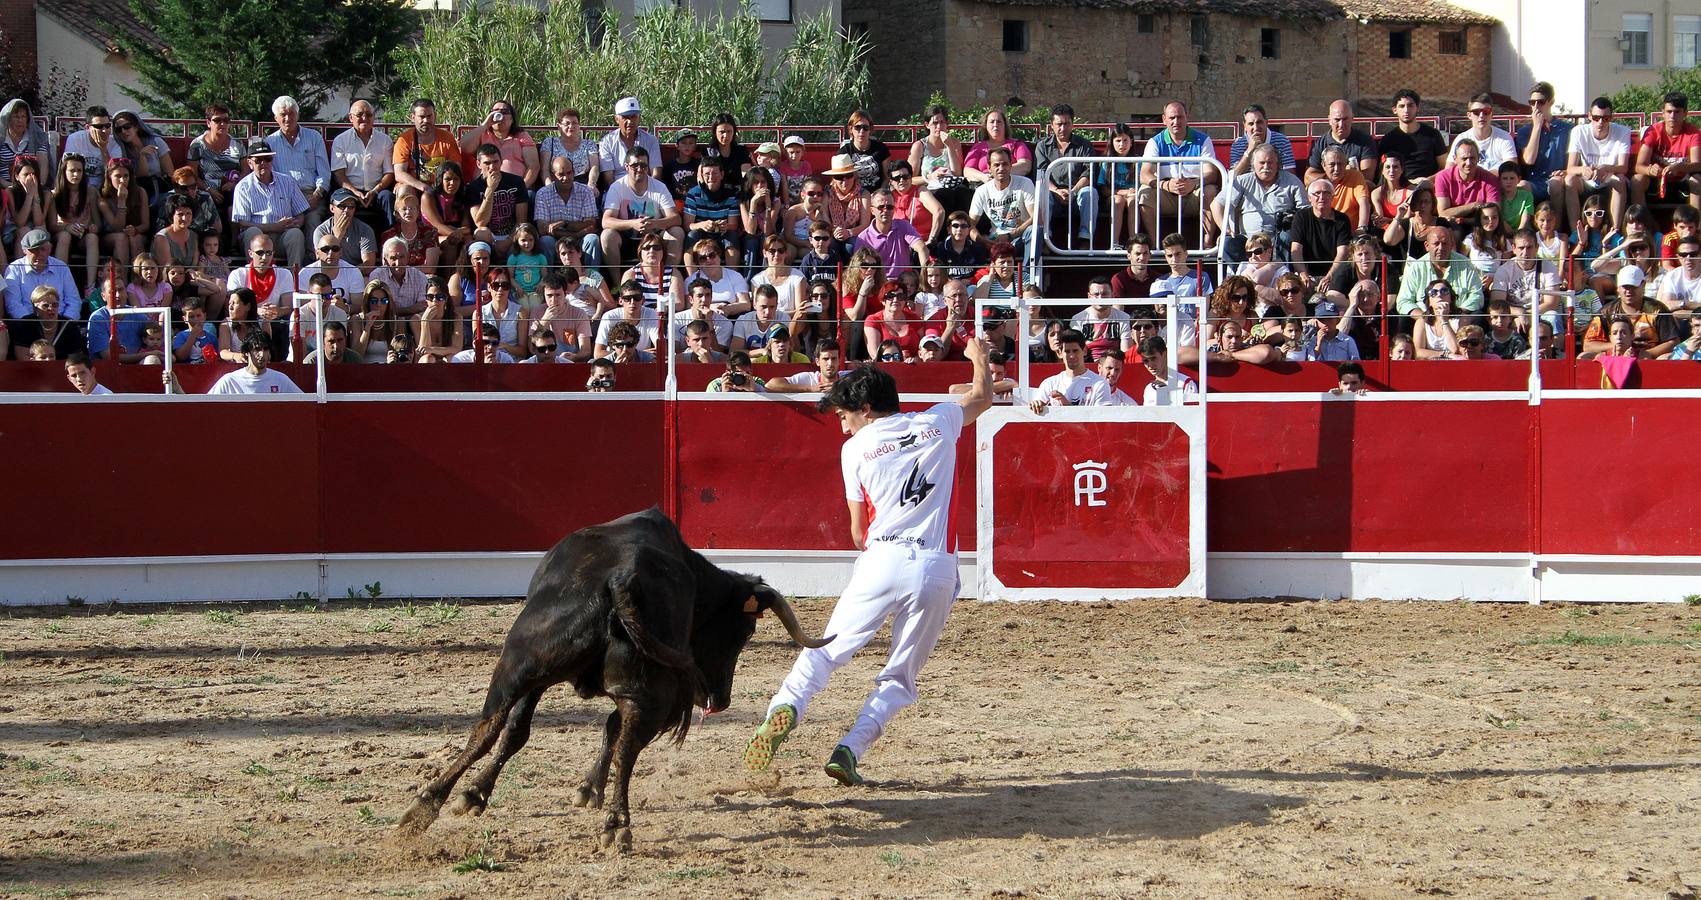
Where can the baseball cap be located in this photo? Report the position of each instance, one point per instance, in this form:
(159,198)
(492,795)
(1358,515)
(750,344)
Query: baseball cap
(626,106)
(769,147)
(258,147)
(932,337)
(792,139)
(36,238)
(1326,309)
(998,313)
(341,195)
(1631,275)
(776,330)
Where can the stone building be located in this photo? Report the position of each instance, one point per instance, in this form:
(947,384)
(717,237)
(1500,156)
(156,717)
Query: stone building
(1115,59)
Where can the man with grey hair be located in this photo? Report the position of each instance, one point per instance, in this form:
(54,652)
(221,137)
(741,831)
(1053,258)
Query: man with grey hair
(1263,199)
(891,238)
(405,283)
(360,164)
(300,154)
(1320,235)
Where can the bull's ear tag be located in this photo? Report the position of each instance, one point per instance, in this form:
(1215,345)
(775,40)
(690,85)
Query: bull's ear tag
(751,607)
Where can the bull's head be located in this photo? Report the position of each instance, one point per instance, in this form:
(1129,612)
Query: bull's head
(717,646)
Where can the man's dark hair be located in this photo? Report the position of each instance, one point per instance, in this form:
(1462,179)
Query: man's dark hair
(194,303)
(1072,336)
(255,342)
(710,162)
(1693,240)
(488,150)
(423,101)
(622,331)
(1601,102)
(1407,94)
(1115,354)
(826,345)
(1484,98)
(338,327)
(1099,279)
(98,111)
(555,280)
(1685,215)
(696,326)
(1676,98)
(1253,108)
(602,362)
(738,358)
(864,387)
(1513,166)
(78,358)
(1153,347)
(997,150)
(1174,239)
(1349,368)
(996,358)
(319,279)
(637,152)
(700,282)
(1062,109)
(490,332)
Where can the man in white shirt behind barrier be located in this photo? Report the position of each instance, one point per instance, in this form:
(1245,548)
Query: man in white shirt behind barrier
(1076,385)
(899,472)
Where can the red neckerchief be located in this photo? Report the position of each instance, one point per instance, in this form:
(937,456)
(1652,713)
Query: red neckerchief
(262,287)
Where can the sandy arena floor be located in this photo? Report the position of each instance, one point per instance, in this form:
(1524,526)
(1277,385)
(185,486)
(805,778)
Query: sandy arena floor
(1167,749)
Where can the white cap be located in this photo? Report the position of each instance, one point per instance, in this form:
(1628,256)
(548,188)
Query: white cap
(1631,275)
(792,139)
(626,106)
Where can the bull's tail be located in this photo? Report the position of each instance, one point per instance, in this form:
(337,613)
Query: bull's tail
(627,611)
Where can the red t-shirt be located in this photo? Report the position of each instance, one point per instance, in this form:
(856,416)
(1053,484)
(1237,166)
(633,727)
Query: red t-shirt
(1668,148)
(956,339)
(909,341)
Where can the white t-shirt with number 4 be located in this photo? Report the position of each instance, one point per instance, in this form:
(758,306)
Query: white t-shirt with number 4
(902,468)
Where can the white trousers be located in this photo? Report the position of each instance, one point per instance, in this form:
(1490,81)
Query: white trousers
(916,589)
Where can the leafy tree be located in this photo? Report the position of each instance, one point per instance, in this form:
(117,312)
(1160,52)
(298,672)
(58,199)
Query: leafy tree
(1639,98)
(686,69)
(243,55)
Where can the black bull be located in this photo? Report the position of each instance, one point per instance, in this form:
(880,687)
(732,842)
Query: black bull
(623,610)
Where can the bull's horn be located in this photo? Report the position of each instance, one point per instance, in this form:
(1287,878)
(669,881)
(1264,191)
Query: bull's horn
(788,618)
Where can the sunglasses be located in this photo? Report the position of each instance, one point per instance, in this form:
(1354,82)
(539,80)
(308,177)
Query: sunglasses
(859,127)
(497,285)
(1595,118)
(220,120)
(1145,326)
(959,225)
(1693,254)
(430,295)
(1243,298)
(332,248)
(882,207)
(1287,291)
(100,126)
(1257,249)
(820,237)
(1478,112)
(625,344)
(900,176)
(543,348)
(127,126)
(634,298)
(260,252)
(1439,292)
(1470,342)
(811,193)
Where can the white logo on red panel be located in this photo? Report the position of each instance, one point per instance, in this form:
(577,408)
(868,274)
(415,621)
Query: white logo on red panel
(1090,483)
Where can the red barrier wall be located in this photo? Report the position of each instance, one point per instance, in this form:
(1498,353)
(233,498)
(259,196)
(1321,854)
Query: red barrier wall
(222,478)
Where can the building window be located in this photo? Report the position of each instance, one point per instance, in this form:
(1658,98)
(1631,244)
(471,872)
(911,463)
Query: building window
(774,10)
(1198,29)
(1638,27)
(1146,23)
(1400,44)
(1015,35)
(1685,41)
(1452,43)
(1269,43)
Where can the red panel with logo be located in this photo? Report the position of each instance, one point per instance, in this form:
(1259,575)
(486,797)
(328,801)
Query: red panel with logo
(1090,505)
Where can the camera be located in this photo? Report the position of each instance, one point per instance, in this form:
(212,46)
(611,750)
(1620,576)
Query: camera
(602,383)
(498,116)
(737,379)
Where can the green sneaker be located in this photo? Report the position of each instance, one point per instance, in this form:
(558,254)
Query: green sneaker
(842,766)
(768,737)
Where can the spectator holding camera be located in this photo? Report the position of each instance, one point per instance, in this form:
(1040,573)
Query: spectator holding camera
(602,376)
(738,377)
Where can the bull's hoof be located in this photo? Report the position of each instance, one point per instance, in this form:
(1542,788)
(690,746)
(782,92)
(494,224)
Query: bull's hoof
(419,816)
(588,797)
(617,841)
(468,803)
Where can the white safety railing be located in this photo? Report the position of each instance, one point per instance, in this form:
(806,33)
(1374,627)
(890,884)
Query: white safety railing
(1172,334)
(1042,244)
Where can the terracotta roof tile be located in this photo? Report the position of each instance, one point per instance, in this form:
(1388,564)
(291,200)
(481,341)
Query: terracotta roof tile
(101,21)
(1417,11)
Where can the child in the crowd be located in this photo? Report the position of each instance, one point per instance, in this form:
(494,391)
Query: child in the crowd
(793,169)
(1518,204)
(527,261)
(1504,340)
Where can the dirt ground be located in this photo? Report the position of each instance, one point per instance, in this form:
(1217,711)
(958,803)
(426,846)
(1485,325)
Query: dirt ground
(1166,749)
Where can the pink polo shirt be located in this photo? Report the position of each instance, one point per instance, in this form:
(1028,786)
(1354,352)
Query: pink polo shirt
(1484,188)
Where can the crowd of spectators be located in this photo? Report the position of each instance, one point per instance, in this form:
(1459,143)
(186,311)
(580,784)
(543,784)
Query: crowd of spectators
(496,245)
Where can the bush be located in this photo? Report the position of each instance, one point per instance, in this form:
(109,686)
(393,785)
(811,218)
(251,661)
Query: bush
(1639,98)
(683,68)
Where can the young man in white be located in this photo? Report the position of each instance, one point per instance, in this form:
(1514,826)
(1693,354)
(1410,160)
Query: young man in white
(1110,369)
(1598,160)
(826,373)
(1076,385)
(254,378)
(1006,200)
(1168,387)
(899,472)
(1681,287)
(82,376)
(1105,326)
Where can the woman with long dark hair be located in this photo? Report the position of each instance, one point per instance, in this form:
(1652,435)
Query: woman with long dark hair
(724,146)
(148,153)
